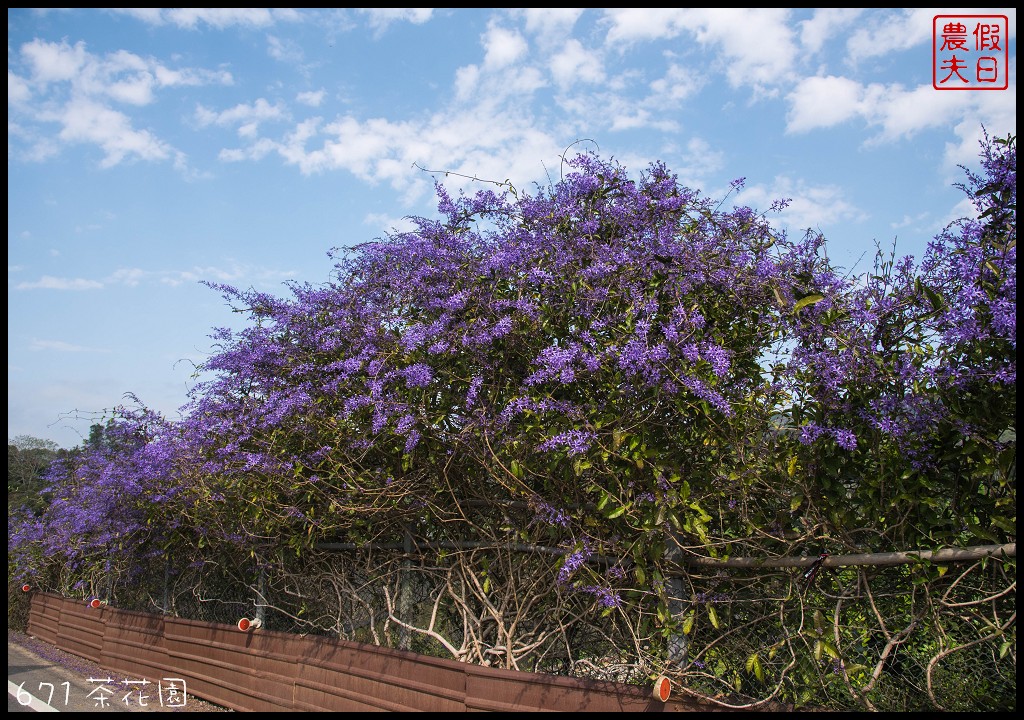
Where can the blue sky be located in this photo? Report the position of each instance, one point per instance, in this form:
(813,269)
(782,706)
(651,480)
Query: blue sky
(151,149)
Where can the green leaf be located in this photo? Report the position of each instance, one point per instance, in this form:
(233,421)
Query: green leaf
(1005,524)
(674,519)
(617,436)
(713,617)
(830,649)
(688,622)
(934,298)
(754,665)
(807,300)
(980,532)
(616,512)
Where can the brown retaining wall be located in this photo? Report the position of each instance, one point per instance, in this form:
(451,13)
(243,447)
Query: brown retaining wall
(263,670)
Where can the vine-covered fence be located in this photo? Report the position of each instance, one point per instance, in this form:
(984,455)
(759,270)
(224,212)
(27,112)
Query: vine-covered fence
(893,631)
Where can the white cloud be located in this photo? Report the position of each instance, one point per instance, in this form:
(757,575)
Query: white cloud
(487,142)
(153,16)
(633,118)
(39,149)
(123,76)
(825,24)
(75,89)
(466,79)
(17,89)
(52,62)
(892,32)
(896,112)
(630,25)
(502,47)
(523,81)
(620,109)
(221,18)
(810,206)
(48,282)
(901,113)
(380,18)
(236,272)
(678,84)
(574,64)
(247,116)
(284,50)
(549,22)
(702,157)
(217,18)
(166,77)
(997,111)
(61,346)
(909,221)
(86,121)
(127,276)
(757,45)
(823,102)
(312,99)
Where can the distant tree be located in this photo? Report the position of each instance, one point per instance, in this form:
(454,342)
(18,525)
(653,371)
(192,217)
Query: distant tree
(27,460)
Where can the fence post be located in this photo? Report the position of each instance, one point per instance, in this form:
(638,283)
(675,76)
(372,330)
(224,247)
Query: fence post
(678,643)
(405,592)
(261,598)
(165,600)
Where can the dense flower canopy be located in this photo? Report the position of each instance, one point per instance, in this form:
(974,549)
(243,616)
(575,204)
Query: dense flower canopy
(650,375)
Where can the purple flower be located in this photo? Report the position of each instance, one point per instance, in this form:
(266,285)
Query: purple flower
(575,442)
(606,597)
(474,389)
(547,513)
(573,562)
(412,441)
(845,439)
(418,375)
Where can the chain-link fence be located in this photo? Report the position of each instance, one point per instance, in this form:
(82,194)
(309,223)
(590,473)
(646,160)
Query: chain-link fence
(893,637)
